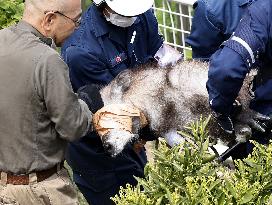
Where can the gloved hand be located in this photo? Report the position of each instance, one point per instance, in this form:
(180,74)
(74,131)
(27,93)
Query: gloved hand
(260,122)
(147,134)
(236,109)
(167,56)
(91,96)
(139,145)
(224,122)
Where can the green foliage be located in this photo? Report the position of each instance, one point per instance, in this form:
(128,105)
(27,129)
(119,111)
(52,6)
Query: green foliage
(10,12)
(85,4)
(189,175)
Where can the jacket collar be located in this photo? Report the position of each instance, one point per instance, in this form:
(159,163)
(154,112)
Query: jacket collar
(100,25)
(23,25)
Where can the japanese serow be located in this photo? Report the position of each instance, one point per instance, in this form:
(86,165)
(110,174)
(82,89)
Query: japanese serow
(170,98)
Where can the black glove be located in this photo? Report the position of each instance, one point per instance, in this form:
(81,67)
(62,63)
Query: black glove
(260,122)
(224,122)
(147,134)
(236,109)
(91,96)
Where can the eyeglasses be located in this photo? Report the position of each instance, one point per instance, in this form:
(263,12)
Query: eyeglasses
(76,21)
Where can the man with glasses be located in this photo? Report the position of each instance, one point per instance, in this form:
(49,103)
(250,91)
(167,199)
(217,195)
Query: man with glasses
(39,111)
(75,20)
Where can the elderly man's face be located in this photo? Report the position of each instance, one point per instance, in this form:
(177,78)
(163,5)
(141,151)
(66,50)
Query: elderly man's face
(65,22)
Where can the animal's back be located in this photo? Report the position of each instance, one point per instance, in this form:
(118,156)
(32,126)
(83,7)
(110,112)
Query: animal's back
(188,90)
(169,97)
(172,98)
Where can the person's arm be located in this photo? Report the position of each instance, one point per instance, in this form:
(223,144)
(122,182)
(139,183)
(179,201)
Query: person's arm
(229,65)
(225,78)
(155,40)
(205,37)
(70,115)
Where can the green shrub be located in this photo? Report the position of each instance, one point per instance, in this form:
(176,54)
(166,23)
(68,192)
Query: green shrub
(10,12)
(189,175)
(86,4)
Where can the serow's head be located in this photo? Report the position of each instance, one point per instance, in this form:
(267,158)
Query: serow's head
(115,141)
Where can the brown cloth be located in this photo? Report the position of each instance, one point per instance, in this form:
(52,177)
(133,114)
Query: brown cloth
(117,116)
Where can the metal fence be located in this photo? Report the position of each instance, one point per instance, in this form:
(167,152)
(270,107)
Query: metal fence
(175,19)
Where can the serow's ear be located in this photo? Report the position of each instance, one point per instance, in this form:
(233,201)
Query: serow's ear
(123,81)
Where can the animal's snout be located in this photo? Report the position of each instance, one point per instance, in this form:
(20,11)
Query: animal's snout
(108,146)
(115,141)
(109,149)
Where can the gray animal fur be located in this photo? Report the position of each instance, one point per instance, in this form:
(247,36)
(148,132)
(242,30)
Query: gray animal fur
(170,98)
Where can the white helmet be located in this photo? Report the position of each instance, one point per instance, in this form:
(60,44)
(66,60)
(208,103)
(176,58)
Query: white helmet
(127,7)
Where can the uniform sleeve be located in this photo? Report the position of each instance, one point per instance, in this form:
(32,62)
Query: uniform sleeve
(155,40)
(85,67)
(205,38)
(225,78)
(229,65)
(71,116)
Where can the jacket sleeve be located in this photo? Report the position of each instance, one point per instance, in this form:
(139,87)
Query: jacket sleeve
(230,64)
(71,116)
(225,78)
(86,67)
(155,40)
(205,37)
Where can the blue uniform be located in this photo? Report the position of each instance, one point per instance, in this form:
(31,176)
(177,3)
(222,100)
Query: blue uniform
(214,22)
(95,53)
(249,46)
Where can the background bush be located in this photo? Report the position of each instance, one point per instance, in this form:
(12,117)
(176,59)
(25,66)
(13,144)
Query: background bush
(10,12)
(189,175)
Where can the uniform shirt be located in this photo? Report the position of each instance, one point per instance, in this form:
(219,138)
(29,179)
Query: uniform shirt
(96,53)
(214,22)
(249,46)
(39,111)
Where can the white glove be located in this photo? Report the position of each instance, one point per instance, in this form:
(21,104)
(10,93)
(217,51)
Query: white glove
(167,56)
(172,138)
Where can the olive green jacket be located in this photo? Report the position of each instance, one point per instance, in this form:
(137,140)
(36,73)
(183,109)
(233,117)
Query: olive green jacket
(39,112)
